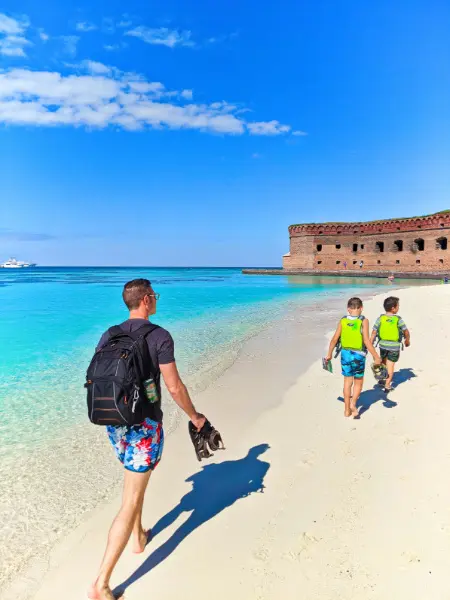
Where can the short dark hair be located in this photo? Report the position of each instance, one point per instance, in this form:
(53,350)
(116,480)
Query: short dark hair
(354,303)
(390,303)
(135,291)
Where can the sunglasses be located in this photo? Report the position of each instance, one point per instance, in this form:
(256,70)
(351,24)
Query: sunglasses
(155,296)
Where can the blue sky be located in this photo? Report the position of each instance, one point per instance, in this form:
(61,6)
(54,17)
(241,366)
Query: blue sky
(194,132)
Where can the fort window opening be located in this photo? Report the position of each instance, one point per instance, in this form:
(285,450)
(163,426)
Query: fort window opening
(338,262)
(441,243)
(397,262)
(441,260)
(417,262)
(354,262)
(319,247)
(378,262)
(379,247)
(398,245)
(319,262)
(442,225)
(338,246)
(355,247)
(362,246)
(418,245)
(419,226)
(320,232)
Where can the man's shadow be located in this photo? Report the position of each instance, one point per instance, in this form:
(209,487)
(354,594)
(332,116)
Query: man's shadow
(215,487)
(370,397)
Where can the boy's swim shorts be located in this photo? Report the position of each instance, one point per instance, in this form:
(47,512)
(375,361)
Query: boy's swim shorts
(392,355)
(139,447)
(353,364)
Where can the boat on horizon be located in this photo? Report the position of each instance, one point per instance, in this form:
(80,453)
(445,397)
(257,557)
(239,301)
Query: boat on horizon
(13,263)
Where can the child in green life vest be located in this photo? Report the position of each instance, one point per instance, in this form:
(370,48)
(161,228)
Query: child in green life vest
(390,329)
(353,334)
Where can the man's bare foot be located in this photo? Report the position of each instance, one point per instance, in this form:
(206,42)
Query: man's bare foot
(354,412)
(141,542)
(347,413)
(97,592)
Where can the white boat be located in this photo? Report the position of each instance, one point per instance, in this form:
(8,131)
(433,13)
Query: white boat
(13,263)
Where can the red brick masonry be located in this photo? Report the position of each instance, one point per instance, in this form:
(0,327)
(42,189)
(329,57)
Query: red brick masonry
(396,245)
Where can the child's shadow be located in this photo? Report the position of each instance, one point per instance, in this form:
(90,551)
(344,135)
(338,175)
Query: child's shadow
(215,487)
(376,394)
(371,397)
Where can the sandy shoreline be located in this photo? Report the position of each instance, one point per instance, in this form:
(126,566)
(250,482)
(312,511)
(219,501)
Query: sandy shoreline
(349,509)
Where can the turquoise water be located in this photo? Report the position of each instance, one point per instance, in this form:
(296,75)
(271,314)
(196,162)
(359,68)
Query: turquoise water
(51,320)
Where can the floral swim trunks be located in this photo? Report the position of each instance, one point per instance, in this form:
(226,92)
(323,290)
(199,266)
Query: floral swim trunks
(353,364)
(139,447)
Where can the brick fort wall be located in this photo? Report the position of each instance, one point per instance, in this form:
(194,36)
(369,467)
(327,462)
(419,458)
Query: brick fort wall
(416,244)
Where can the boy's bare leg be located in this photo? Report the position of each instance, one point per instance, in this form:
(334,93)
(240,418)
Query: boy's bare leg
(134,488)
(140,535)
(390,368)
(348,383)
(357,389)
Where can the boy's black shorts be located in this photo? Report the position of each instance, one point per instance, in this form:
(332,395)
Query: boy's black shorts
(392,355)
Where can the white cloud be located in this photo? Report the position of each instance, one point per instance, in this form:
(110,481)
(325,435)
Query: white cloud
(96,68)
(111,47)
(10,26)
(105,96)
(124,24)
(162,36)
(85,26)
(187,94)
(70,43)
(256,155)
(12,39)
(299,133)
(44,36)
(268,128)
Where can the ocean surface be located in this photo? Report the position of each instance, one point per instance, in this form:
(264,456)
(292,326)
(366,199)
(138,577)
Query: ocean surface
(56,466)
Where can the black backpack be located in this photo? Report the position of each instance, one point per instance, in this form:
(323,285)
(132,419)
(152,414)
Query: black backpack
(115,378)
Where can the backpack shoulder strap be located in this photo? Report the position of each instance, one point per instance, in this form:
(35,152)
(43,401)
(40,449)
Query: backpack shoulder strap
(115,330)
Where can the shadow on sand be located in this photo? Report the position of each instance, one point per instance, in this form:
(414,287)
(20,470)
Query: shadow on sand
(215,488)
(376,394)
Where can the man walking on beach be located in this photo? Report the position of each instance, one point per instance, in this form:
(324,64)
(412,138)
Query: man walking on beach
(139,447)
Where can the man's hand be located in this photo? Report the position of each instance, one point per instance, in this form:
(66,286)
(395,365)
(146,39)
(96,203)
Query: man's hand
(377,360)
(408,344)
(199,420)
(328,357)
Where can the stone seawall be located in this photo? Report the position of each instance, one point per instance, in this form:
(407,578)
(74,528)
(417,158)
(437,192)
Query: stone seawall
(342,273)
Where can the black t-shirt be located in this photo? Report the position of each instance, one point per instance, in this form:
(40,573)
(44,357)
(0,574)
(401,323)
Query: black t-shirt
(162,352)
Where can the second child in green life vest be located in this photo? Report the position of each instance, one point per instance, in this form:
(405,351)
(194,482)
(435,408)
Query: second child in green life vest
(391,330)
(353,334)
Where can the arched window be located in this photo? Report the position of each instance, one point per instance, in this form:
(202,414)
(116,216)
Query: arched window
(418,245)
(398,246)
(338,246)
(441,243)
(319,247)
(379,247)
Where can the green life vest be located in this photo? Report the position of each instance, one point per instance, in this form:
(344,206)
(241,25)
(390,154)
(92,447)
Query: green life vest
(389,330)
(351,334)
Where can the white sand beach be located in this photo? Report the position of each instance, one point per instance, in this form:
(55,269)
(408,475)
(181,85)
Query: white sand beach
(350,509)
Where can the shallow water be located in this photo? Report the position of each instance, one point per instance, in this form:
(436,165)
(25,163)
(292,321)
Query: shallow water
(56,466)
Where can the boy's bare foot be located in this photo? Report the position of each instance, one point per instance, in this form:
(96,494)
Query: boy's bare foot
(141,542)
(97,592)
